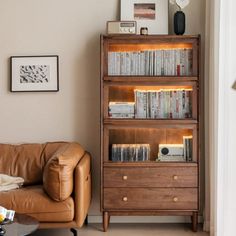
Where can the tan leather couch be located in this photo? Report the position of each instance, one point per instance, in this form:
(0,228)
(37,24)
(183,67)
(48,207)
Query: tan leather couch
(57,188)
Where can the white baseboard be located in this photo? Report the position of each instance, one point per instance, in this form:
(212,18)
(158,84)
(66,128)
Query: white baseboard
(144,219)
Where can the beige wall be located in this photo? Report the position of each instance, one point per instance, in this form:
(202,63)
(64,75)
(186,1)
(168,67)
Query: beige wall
(70,29)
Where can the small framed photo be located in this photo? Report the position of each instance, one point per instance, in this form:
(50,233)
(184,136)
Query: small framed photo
(152,14)
(34,73)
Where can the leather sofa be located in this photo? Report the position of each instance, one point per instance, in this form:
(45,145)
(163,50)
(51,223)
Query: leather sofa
(57,182)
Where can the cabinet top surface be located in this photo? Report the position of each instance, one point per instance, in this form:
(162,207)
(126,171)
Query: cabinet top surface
(149,37)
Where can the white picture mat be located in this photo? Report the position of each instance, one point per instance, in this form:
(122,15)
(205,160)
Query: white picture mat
(17,62)
(157,26)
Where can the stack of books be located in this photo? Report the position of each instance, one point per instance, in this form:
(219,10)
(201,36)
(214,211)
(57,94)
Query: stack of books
(163,104)
(188,148)
(121,110)
(130,152)
(173,62)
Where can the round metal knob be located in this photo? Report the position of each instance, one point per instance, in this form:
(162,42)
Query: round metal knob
(125,199)
(175,199)
(175,177)
(125,177)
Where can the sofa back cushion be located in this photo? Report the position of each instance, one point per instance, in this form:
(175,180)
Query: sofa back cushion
(26,160)
(59,170)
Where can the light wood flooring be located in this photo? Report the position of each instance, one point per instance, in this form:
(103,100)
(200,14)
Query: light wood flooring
(128,230)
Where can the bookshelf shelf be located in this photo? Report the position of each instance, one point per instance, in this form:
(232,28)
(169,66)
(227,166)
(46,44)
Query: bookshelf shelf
(150,164)
(150,123)
(165,79)
(150,101)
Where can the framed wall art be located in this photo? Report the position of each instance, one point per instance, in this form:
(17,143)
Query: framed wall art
(152,14)
(34,73)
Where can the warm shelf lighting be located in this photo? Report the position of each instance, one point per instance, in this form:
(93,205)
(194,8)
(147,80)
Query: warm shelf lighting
(143,47)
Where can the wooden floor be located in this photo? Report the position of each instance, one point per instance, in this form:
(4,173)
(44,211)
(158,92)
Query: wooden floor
(128,230)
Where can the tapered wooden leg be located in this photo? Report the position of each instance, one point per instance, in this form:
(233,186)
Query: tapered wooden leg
(86,220)
(74,231)
(194,221)
(105,221)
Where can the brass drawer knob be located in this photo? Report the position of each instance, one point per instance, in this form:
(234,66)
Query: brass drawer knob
(175,177)
(125,177)
(125,199)
(175,199)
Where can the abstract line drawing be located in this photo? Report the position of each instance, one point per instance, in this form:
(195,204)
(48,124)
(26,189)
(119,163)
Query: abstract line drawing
(34,74)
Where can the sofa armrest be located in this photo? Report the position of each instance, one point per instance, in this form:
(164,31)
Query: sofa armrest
(82,189)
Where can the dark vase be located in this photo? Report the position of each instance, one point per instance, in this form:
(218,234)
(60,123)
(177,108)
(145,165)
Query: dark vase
(179,23)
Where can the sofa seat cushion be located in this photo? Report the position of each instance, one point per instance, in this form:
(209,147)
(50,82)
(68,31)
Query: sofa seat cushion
(32,200)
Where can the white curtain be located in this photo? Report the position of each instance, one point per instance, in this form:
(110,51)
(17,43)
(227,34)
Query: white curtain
(222,119)
(211,95)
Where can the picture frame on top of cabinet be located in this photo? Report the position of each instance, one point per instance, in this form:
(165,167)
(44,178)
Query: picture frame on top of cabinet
(34,73)
(151,14)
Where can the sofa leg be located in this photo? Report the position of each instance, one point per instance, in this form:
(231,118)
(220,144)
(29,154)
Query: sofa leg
(74,231)
(86,220)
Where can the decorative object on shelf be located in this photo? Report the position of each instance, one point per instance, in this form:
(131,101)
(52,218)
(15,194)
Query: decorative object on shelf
(172,152)
(152,14)
(143,31)
(34,73)
(121,27)
(179,16)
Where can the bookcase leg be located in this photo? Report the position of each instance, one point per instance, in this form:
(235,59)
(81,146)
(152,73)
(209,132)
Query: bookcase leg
(194,221)
(106,219)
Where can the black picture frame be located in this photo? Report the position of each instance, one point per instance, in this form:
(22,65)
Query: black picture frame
(34,73)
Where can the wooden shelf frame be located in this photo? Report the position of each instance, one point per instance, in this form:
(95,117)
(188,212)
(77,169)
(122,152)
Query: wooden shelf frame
(107,124)
(150,164)
(150,79)
(148,122)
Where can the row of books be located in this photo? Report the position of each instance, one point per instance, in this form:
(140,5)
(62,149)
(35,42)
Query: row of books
(154,104)
(163,104)
(174,62)
(130,152)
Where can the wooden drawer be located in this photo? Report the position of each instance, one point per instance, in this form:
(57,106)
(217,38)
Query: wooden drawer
(151,177)
(151,198)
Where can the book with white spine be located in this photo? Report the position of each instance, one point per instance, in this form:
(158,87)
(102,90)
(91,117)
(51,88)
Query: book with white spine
(182,63)
(159,63)
(110,63)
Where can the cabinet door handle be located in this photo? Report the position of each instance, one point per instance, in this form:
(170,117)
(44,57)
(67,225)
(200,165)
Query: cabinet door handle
(175,199)
(125,199)
(175,177)
(125,177)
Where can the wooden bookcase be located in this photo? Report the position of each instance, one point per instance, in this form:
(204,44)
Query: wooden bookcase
(149,187)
